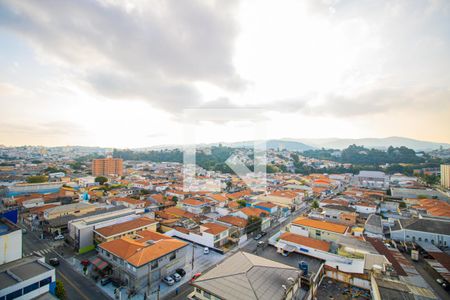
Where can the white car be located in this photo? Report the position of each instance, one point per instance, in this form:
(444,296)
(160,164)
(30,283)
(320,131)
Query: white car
(206,250)
(177,277)
(169,280)
(59,237)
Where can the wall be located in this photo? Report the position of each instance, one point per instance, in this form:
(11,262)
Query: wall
(10,246)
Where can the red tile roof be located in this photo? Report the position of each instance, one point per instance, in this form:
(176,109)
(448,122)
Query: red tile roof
(305,241)
(124,227)
(323,225)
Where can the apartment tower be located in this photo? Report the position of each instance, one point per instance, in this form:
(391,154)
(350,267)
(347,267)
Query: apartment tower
(445,176)
(107,166)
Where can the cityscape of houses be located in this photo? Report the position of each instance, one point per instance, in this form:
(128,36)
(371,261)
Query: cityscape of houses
(128,229)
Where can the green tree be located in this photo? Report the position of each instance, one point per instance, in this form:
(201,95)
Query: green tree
(402,204)
(315,204)
(37,179)
(242,203)
(60,291)
(101,180)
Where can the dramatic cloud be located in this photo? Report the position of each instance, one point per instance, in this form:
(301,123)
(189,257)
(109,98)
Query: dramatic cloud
(154,52)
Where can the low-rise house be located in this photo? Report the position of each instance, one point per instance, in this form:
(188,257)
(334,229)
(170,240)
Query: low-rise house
(142,260)
(212,235)
(129,202)
(247,276)
(321,230)
(365,207)
(123,229)
(340,213)
(271,208)
(252,212)
(196,206)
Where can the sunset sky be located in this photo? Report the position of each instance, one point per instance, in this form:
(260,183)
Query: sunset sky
(122,73)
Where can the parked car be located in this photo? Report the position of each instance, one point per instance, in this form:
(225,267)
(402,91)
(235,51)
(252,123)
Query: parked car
(116,282)
(181,272)
(24,231)
(105,280)
(206,250)
(59,237)
(176,277)
(285,253)
(196,275)
(169,280)
(85,262)
(263,233)
(260,243)
(258,236)
(53,261)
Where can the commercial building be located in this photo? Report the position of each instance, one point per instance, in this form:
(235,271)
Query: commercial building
(142,260)
(247,276)
(81,230)
(371,179)
(107,166)
(10,241)
(26,278)
(76,209)
(445,176)
(424,230)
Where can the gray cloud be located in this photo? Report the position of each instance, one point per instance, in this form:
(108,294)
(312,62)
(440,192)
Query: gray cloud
(154,52)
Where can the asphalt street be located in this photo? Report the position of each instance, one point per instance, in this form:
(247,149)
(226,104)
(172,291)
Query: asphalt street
(77,287)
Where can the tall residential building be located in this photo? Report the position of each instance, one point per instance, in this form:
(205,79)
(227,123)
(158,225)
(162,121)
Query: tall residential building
(107,166)
(445,176)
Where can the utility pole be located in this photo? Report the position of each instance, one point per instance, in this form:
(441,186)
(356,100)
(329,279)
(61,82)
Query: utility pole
(193,252)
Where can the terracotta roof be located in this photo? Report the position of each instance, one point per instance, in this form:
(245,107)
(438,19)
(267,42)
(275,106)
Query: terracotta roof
(218,197)
(175,211)
(193,202)
(253,211)
(239,195)
(266,204)
(40,209)
(305,241)
(214,228)
(131,225)
(323,225)
(284,194)
(139,252)
(235,221)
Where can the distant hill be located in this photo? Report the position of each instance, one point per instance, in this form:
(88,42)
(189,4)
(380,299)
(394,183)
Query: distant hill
(378,143)
(275,144)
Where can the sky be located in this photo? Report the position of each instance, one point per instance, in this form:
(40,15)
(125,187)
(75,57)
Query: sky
(129,74)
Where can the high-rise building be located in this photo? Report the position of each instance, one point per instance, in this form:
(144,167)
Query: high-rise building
(445,176)
(107,166)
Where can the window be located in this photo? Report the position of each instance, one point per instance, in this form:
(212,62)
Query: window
(14,295)
(154,264)
(420,239)
(45,281)
(31,288)
(172,256)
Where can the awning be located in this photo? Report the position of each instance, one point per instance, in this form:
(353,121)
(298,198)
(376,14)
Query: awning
(99,263)
(288,248)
